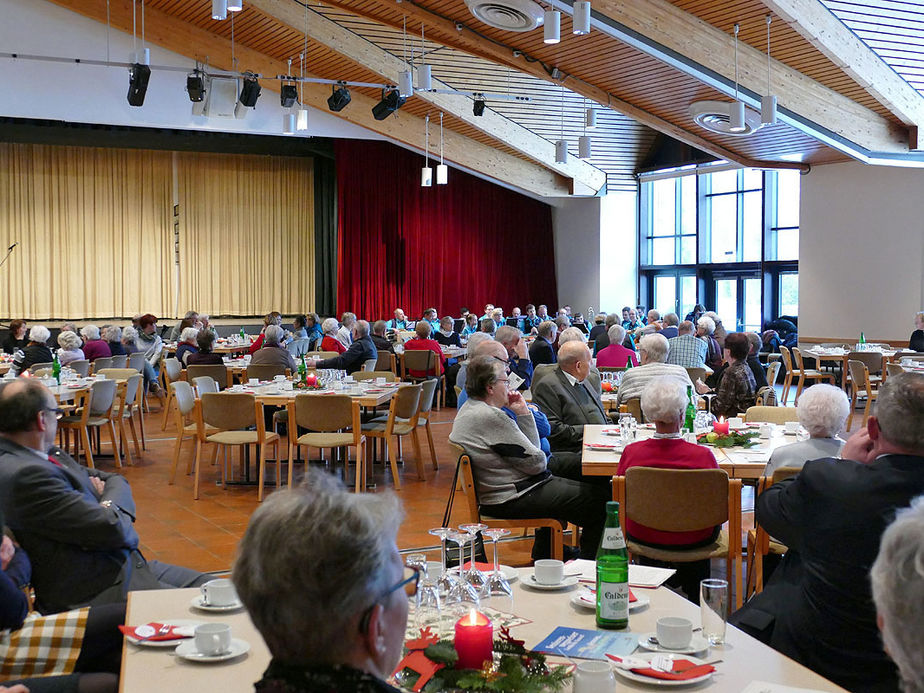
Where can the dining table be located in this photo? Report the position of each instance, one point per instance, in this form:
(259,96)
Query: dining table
(839,357)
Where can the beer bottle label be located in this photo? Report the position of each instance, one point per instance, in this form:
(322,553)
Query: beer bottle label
(614,600)
(612,538)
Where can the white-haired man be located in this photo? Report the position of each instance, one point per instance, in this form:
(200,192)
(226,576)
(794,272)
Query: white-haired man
(541,350)
(361,350)
(517,356)
(652,354)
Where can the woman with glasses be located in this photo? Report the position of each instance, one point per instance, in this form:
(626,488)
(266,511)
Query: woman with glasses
(319,572)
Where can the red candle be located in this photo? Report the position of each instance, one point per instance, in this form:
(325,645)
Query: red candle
(311,379)
(720,426)
(474,641)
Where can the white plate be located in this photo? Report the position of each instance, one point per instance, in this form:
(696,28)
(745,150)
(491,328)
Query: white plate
(568,581)
(187,650)
(198,602)
(697,644)
(507,571)
(632,676)
(585,599)
(166,643)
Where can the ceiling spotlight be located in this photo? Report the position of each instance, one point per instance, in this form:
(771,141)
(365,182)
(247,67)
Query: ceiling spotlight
(391,102)
(138,76)
(768,109)
(561,151)
(580,20)
(288,95)
(301,122)
(195,86)
(235,5)
(250,91)
(736,117)
(478,107)
(338,99)
(551,26)
(219,9)
(442,174)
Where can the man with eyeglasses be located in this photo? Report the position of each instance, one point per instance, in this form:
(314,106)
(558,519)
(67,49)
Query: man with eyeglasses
(76,524)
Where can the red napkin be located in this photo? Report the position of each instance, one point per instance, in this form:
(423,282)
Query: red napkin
(169,635)
(483,567)
(683,670)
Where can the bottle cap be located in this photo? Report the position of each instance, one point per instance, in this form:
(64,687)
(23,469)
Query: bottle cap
(612,506)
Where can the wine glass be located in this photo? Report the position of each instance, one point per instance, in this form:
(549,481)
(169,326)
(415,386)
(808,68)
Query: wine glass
(474,576)
(446,579)
(462,596)
(497,589)
(427,602)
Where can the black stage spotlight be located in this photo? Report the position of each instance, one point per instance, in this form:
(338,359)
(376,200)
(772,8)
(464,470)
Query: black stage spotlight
(138,77)
(478,107)
(195,86)
(391,102)
(288,95)
(250,91)
(338,99)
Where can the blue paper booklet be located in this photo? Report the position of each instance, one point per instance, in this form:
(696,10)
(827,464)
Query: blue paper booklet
(587,644)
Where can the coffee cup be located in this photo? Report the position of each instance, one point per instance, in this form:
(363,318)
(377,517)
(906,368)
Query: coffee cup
(792,426)
(380,381)
(279,378)
(594,677)
(254,381)
(766,430)
(674,633)
(213,638)
(219,592)
(548,571)
(735,422)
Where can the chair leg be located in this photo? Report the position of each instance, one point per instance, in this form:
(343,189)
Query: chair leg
(558,550)
(144,443)
(418,456)
(394,465)
(430,444)
(869,402)
(116,451)
(799,389)
(262,461)
(131,425)
(176,457)
(197,468)
(291,459)
(787,383)
(360,471)
(123,442)
(163,425)
(87,451)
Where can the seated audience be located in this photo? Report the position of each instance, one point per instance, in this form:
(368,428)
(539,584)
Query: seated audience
(516,319)
(705,327)
(446,335)
(129,340)
(916,343)
(70,348)
(754,344)
(510,471)
(204,356)
(541,350)
(652,354)
(432,317)
(471,326)
(189,320)
(736,389)
(817,606)
(313,328)
(686,349)
(149,343)
(399,322)
(488,326)
(630,319)
(699,310)
(382,343)
(598,328)
(670,326)
(542,312)
(361,350)
(35,351)
(423,341)
(16,339)
(76,524)
(771,342)
(488,309)
(273,352)
(188,345)
(112,334)
(653,317)
(578,322)
(331,599)
(345,333)
(299,327)
(93,346)
(473,344)
(517,356)
(616,355)
(823,411)
(664,403)
(272,318)
(602,339)
(330,342)
(530,320)
(719,331)
(897,579)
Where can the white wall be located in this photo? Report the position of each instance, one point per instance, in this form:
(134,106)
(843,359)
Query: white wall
(861,251)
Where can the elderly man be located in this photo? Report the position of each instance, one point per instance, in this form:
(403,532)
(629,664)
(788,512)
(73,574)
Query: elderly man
(817,607)
(382,343)
(176,330)
(361,350)
(517,356)
(652,353)
(320,574)
(345,333)
(399,322)
(569,398)
(541,350)
(510,469)
(686,349)
(669,328)
(542,312)
(823,412)
(472,350)
(273,353)
(76,524)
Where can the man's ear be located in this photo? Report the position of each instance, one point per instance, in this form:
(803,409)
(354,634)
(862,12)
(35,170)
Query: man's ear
(374,635)
(872,428)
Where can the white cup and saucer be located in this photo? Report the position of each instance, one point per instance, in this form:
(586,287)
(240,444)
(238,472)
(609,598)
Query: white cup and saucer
(766,430)
(217,595)
(674,634)
(548,574)
(736,423)
(279,378)
(212,642)
(791,428)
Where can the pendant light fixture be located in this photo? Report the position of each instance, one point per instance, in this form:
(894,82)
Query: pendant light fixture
(584,140)
(424,72)
(736,112)
(442,170)
(426,173)
(561,145)
(580,20)
(301,117)
(219,9)
(551,26)
(768,101)
(235,5)
(590,118)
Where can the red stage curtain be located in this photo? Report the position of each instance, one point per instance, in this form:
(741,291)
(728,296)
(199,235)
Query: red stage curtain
(463,244)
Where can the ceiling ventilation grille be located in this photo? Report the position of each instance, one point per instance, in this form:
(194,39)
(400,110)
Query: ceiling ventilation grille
(509,15)
(715,116)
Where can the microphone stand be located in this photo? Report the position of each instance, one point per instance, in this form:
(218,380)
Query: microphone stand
(9,251)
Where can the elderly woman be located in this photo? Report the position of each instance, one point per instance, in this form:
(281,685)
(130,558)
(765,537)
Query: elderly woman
(719,331)
(16,339)
(823,411)
(705,327)
(151,345)
(113,336)
(330,326)
(129,340)
(737,388)
(35,351)
(70,348)
(273,353)
(616,355)
(331,599)
(446,335)
(299,327)
(93,346)
(313,329)
(271,318)
(204,356)
(422,341)
(187,345)
(488,326)
(664,402)
(916,343)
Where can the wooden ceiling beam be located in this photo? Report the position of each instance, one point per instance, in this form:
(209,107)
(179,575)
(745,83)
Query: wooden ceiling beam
(196,44)
(588,179)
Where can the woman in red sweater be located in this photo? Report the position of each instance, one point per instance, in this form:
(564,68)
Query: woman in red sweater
(330,341)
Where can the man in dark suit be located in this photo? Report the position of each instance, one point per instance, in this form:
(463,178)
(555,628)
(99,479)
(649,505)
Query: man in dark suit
(817,607)
(75,524)
(541,351)
(361,350)
(382,343)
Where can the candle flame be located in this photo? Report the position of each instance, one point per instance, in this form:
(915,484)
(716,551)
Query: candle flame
(721,419)
(472,617)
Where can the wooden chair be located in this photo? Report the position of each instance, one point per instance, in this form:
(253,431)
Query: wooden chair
(696,374)
(101,363)
(124,410)
(81,367)
(894,369)
(234,414)
(633,406)
(386,362)
(759,543)
(34,369)
(424,361)
(136,361)
(424,409)
(467,479)
(186,425)
(326,417)
(265,371)
(787,379)
(773,372)
(543,370)
(322,354)
(807,373)
(370,364)
(204,383)
(389,376)
(776,415)
(171,372)
(220,374)
(117,373)
(120,361)
(401,420)
(874,362)
(861,386)
(682,500)
(94,411)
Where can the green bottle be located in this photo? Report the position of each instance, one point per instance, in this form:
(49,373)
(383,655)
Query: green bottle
(243,336)
(629,362)
(56,369)
(862,342)
(690,413)
(302,370)
(612,574)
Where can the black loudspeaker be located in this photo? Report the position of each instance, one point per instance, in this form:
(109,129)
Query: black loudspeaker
(138,78)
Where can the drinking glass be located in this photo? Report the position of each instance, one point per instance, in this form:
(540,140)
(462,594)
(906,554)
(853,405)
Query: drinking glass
(713,602)
(497,589)
(462,596)
(427,602)
(446,579)
(474,576)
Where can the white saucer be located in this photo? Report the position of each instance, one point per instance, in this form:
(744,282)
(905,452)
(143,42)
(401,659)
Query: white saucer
(568,581)
(510,573)
(198,602)
(632,676)
(187,650)
(166,643)
(585,599)
(697,644)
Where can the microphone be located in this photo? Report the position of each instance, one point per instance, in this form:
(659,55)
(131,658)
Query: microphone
(10,249)
(8,252)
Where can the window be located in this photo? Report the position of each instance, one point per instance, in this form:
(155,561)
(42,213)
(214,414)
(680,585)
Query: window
(789,293)
(670,228)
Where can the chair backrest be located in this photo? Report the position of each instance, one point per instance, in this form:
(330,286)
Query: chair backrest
(543,370)
(370,364)
(81,367)
(185,397)
(117,373)
(787,358)
(101,363)
(204,383)
(229,411)
(676,500)
(467,477)
(131,387)
(264,371)
(894,369)
(773,371)
(427,395)
(42,372)
(102,395)
(610,369)
(696,374)
(385,361)
(859,373)
(173,369)
(120,361)
(777,415)
(406,400)
(389,376)
(298,347)
(872,359)
(784,473)
(634,406)
(797,358)
(136,361)
(40,367)
(419,360)
(218,373)
(323,413)
(323,354)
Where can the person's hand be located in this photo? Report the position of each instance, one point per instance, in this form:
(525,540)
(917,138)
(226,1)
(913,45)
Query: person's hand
(18,688)
(7,551)
(859,447)
(517,404)
(520,349)
(701,387)
(98,485)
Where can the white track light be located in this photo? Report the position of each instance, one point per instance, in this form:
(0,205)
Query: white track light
(590,118)
(442,174)
(736,116)
(301,119)
(235,5)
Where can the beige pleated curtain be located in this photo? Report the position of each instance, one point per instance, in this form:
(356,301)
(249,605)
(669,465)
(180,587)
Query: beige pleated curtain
(95,233)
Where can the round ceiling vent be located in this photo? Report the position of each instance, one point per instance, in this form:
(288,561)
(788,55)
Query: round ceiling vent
(715,117)
(509,15)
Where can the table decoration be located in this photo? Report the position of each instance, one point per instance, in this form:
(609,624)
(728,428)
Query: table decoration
(729,440)
(720,427)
